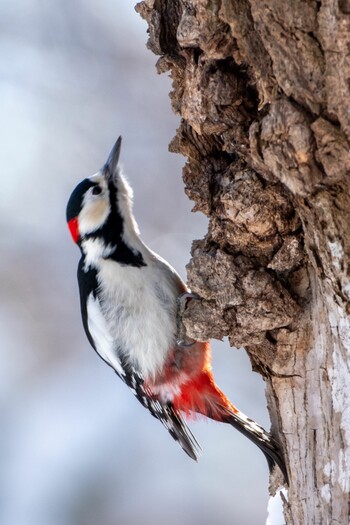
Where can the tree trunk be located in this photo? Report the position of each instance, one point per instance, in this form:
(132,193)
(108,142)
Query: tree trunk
(263,90)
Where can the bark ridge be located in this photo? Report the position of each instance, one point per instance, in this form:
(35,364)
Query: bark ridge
(262,88)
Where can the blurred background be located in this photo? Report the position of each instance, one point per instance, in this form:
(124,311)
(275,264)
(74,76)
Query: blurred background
(76,448)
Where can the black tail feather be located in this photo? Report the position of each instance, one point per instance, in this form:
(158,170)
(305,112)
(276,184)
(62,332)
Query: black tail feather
(261,438)
(182,434)
(175,425)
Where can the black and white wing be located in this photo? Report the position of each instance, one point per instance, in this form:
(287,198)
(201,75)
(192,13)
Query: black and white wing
(165,413)
(100,339)
(94,322)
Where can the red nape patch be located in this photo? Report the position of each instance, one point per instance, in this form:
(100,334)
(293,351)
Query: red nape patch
(74,229)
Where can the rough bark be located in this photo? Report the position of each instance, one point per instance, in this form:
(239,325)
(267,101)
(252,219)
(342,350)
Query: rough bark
(262,87)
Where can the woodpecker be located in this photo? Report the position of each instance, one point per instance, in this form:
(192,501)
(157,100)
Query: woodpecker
(129,302)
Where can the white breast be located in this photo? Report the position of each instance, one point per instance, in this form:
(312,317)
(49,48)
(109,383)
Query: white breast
(139,306)
(101,335)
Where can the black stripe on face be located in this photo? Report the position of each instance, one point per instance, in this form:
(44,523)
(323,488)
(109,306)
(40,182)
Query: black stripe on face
(75,202)
(112,234)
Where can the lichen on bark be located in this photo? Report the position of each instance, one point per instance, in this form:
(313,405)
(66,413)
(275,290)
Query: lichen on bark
(262,88)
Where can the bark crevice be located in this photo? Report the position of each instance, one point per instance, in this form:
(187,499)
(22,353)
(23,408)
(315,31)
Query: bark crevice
(262,88)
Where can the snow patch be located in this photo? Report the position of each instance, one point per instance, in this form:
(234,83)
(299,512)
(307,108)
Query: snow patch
(275,508)
(337,253)
(329,471)
(346,290)
(326,493)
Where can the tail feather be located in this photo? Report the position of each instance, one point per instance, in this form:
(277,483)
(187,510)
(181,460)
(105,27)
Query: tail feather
(180,432)
(259,437)
(202,396)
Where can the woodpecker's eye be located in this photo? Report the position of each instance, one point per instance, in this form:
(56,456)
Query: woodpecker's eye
(96,190)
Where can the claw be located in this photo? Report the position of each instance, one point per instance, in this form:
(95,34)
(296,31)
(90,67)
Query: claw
(181,342)
(182,339)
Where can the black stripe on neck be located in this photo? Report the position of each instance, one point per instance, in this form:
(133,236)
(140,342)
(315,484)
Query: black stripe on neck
(112,235)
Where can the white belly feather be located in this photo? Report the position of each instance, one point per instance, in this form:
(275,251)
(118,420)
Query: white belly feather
(139,308)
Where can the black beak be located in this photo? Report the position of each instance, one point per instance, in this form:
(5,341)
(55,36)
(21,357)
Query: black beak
(112,162)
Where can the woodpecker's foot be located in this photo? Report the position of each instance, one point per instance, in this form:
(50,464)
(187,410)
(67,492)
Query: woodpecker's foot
(182,300)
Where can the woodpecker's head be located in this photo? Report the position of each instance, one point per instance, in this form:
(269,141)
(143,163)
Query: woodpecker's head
(100,207)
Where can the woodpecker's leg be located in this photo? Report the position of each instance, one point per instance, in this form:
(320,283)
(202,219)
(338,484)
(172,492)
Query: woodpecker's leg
(182,339)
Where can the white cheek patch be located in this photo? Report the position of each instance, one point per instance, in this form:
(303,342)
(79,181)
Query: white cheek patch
(94,250)
(93,215)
